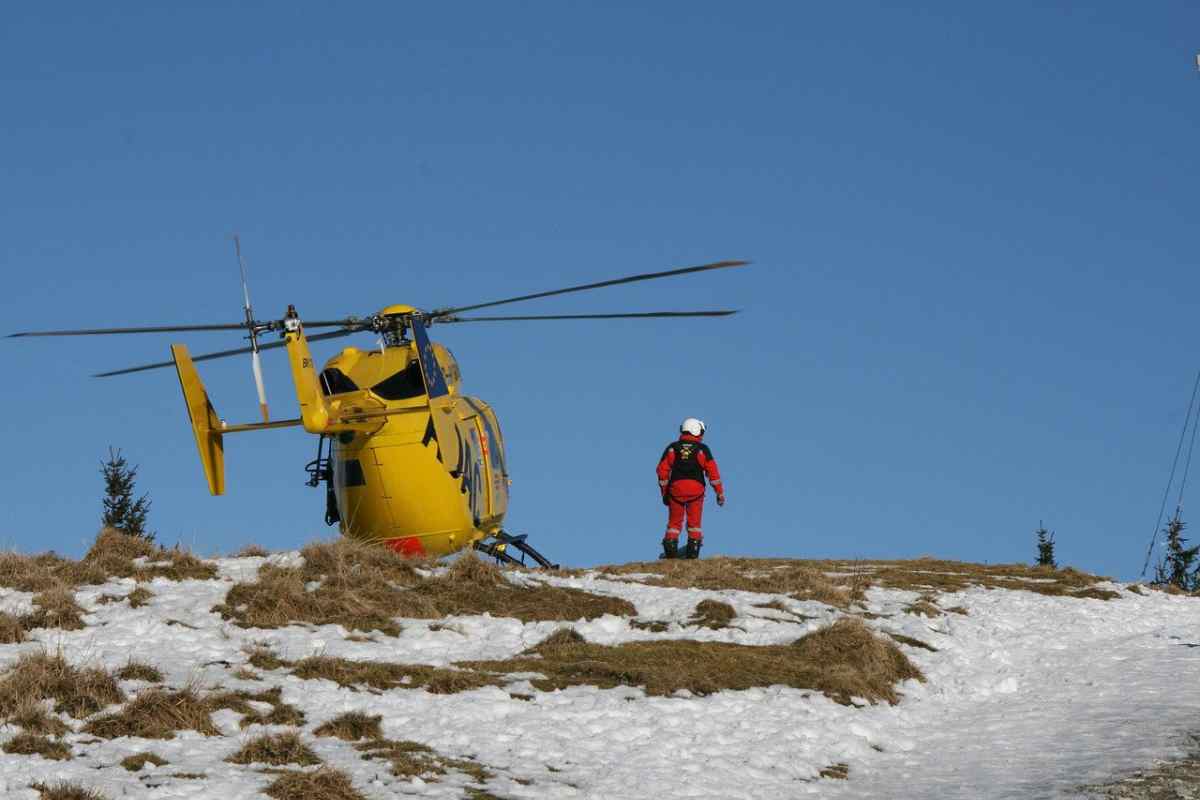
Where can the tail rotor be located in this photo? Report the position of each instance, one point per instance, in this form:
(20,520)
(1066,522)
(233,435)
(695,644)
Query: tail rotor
(251,326)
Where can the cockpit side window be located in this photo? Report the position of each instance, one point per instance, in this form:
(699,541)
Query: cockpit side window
(403,385)
(334,381)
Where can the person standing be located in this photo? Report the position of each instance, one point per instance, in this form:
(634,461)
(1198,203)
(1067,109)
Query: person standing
(682,471)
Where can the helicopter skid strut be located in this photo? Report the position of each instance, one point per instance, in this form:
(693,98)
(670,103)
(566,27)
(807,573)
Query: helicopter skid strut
(501,544)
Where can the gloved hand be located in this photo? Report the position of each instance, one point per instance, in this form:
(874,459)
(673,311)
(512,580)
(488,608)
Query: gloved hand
(666,499)
(720,499)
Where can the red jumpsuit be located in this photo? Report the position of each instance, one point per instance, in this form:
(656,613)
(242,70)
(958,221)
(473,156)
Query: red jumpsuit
(681,472)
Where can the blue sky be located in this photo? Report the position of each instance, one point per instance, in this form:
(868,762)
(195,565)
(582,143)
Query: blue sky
(973,232)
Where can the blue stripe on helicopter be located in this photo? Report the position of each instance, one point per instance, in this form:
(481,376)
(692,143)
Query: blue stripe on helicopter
(431,371)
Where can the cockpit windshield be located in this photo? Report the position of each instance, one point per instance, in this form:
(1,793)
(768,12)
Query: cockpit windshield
(403,385)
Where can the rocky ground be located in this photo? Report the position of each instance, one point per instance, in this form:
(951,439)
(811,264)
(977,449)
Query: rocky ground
(1170,780)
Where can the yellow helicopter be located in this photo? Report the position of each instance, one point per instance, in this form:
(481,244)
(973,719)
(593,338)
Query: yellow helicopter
(407,459)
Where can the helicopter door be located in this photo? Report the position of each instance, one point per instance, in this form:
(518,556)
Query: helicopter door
(441,403)
(495,471)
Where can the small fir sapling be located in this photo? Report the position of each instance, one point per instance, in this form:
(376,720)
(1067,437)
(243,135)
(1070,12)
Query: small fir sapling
(121,511)
(1045,546)
(1179,566)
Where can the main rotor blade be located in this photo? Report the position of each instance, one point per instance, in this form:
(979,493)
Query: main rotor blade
(631,279)
(237,326)
(219,354)
(151,329)
(638,315)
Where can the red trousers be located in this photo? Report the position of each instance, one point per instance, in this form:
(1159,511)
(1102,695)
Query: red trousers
(691,507)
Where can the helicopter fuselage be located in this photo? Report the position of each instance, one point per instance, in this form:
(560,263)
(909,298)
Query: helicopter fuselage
(420,487)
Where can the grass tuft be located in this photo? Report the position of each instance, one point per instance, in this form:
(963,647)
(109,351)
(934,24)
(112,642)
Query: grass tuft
(55,608)
(112,555)
(911,642)
(66,791)
(325,783)
(27,744)
(136,762)
(713,614)
(365,587)
(774,576)
(275,749)
(139,671)
(844,661)
(836,771)
(115,553)
(263,658)
(139,597)
(839,583)
(281,713)
(352,726)
(40,676)
(413,759)
(386,675)
(30,715)
(156,714)
(923,607)
(11,629)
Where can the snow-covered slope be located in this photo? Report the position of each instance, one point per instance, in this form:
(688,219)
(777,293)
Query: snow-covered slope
(1025,696)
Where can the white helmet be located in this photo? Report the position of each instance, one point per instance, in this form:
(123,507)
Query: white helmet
(693,426)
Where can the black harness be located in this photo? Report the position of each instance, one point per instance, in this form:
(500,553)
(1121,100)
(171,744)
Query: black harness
(686,466)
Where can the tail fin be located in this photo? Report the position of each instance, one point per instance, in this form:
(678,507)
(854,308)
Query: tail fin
(206,425)
(314,412)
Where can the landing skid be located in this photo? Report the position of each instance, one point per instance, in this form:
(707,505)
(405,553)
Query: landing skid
(501,545)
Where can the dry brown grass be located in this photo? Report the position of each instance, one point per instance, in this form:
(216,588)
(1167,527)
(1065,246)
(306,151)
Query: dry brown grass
(115,552)
(385,675)
(156,714)
(413,759)
(799,579)
(111,556)
(40,676)
(844,660)
(159,713)
(263,658)
(11,629)
(54,608)
(31,717)
(713,614)
(66,791)
(911,642)
(923,607)
(352,726)
(28,744)
(325,784)
(139,671)
(281,713)
(252,551)
(936,575)
(139,597)
(840,582)
(46,571)
(652,625)
(837,771)
(137,762)
(276,749)
(366,587)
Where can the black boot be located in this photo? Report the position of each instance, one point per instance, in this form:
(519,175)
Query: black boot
(693,548)
(670,548)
